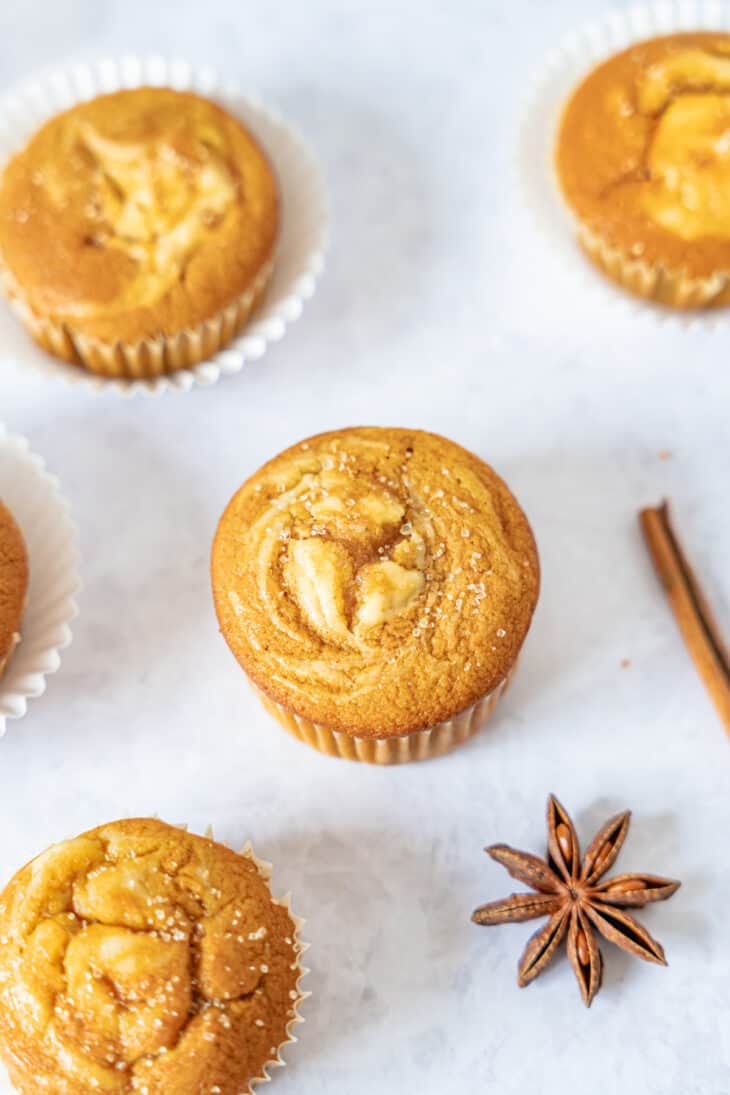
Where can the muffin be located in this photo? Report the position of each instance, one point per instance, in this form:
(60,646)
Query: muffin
(137,231)
(13,584)
(376,585)
(140,958)
(643,160)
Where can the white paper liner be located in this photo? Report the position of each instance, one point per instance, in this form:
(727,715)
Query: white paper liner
(299,258)
(34,499)
(435,741)
(264,869)
(565,67)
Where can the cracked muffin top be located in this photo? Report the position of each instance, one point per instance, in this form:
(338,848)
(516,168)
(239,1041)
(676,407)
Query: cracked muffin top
(139,213)
(377,581)
(13,583)
(141,958)
(643,152)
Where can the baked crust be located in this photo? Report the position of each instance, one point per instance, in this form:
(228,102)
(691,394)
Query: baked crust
(139,957)
(643,159)
(375,581)
(13,583)
(137,215)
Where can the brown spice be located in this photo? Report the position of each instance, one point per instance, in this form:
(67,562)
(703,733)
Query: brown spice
(689,605)
(579,904)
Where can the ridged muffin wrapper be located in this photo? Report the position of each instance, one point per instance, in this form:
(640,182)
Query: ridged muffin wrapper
(666,295)
(234,336)
(149,357)
(34,498)
(264,869)
(433,741)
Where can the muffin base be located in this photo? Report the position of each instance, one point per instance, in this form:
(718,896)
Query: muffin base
(149,357)
(671,288)
(420,745)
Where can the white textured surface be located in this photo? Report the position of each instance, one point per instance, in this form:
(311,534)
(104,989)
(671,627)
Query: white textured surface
(439,308)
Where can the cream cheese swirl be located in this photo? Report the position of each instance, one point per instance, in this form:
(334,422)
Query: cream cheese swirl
(140,958)
(688,192)
(383,573)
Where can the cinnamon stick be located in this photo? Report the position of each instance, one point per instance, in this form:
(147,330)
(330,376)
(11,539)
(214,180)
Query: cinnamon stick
(689,605)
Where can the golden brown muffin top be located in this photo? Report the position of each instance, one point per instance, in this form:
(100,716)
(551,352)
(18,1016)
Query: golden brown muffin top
(139,958)
(377,581)
(643,152)
(137,213)
(13,581)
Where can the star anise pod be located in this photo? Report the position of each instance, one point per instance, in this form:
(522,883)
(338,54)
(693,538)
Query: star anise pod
(578,903)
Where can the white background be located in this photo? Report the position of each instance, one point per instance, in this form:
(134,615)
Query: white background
(439,308)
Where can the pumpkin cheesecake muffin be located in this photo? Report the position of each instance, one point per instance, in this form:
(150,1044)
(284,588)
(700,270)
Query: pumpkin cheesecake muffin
(376,585)
(13,584)
(643,159)
(137,231)
(138,958)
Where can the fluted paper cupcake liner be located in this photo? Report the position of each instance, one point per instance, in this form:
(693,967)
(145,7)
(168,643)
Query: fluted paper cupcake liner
(163,356)
(433,741)
(34,498)
(645,288)
(226,342)
(300,947)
